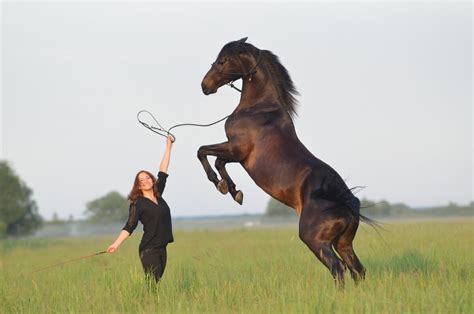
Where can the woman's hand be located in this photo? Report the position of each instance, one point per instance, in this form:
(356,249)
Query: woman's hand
(169,141)
(124,234)
(112,248)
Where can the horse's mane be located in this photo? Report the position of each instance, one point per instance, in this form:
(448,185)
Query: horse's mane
(280,76)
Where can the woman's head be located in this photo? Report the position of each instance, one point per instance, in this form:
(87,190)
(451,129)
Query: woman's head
(144,181)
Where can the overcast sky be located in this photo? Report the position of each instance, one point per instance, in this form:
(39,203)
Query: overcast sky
(386,96)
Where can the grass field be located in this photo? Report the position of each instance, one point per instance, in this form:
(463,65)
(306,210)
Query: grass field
(420,267)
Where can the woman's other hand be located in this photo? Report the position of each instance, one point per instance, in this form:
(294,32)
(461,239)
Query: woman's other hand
(112,248)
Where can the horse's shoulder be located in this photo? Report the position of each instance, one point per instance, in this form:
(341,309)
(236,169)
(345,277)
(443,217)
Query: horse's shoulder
(257,112)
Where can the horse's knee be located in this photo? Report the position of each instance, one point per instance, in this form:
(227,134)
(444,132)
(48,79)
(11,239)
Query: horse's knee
(200,153)
(219,164)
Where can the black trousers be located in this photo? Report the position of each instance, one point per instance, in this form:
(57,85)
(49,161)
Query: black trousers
(154,262)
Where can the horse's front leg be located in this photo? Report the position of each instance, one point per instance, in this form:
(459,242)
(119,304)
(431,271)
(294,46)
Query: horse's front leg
(238,196)
(222,151)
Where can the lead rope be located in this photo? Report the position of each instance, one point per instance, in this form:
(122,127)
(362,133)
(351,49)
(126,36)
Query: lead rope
(231,84)
(160,130)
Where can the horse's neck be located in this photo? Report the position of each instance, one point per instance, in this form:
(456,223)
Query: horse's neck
(256,91)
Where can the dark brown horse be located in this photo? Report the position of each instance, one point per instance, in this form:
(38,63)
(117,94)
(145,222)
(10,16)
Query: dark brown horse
(262,138)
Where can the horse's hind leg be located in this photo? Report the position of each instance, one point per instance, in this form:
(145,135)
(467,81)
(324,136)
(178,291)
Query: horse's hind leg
(345,250)
(318,230)
(238,196)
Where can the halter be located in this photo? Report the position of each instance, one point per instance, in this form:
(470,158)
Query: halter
(250,73)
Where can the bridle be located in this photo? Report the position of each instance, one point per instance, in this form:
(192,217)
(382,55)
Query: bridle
(243,74)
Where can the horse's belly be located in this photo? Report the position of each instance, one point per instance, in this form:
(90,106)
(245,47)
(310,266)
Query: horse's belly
(279,177)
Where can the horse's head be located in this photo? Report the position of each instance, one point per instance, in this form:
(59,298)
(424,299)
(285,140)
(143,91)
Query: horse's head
(233,62)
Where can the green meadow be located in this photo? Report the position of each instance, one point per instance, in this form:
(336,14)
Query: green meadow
(412,267)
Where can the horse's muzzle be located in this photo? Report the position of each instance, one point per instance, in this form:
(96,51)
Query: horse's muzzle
(206,90)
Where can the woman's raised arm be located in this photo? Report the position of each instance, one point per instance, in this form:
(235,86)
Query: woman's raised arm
(166,157)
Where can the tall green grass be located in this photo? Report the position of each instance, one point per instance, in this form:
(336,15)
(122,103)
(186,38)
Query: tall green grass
(416,268)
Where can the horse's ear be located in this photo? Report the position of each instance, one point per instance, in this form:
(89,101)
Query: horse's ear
(242,40)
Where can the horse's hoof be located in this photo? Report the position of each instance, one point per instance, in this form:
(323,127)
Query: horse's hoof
(223,187)
(239,197)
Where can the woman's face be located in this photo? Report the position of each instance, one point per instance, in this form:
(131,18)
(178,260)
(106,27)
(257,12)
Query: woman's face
(145,182)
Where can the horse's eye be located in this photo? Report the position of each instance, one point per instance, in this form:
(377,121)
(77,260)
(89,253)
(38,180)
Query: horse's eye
(219,62)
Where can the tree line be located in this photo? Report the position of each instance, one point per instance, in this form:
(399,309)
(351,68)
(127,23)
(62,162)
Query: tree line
(383,208)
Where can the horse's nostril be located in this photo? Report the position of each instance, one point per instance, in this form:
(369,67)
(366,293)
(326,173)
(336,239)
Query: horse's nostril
(205,90)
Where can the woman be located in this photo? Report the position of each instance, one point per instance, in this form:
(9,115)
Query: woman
(148,206)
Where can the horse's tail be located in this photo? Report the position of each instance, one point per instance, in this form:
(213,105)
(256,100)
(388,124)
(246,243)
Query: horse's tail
(353,204)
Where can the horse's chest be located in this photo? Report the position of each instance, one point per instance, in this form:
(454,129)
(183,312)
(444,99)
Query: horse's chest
(248,123)
(236,129)
(234,123)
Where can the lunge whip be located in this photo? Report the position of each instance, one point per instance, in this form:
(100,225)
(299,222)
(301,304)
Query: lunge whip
(69,261)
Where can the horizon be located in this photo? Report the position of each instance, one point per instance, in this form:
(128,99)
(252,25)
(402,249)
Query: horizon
(84,219)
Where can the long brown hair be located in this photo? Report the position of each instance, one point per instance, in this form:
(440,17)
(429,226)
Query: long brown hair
(136,192)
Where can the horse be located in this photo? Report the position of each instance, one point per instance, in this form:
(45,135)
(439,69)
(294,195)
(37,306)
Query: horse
(262,138)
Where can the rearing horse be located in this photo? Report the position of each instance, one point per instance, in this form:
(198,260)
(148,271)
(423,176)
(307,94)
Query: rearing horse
(262,138)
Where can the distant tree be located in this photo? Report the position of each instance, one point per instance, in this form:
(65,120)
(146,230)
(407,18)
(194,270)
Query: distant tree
(452,206)
(401,209)
(276,208)
(18,211)
(384,208)
(112,206)
(55,218)
(372,208)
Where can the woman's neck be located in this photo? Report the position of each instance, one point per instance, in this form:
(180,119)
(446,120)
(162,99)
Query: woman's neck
(148,194)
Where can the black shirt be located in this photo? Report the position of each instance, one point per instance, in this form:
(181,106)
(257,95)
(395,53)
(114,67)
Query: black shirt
(156,218)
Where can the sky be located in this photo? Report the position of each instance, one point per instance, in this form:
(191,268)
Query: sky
(386,96)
